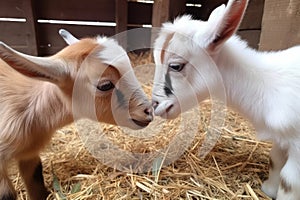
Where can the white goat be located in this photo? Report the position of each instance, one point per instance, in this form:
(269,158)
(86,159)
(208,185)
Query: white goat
(263,86)
(37,97)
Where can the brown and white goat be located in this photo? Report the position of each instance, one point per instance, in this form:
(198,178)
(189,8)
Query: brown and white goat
(205,59)
(37,98)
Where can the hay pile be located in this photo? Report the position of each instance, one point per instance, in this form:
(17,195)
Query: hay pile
(234,169)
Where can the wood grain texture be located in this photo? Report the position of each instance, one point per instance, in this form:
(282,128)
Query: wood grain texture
(280,24)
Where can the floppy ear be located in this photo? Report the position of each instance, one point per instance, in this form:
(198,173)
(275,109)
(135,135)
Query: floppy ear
(67,36)
(225,22)
(47,69)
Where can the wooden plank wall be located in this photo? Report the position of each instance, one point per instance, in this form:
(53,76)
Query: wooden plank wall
(37,38)
(20,35)
(281,25)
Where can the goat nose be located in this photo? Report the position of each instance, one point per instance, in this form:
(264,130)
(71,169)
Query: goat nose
(148,111)
(155,104)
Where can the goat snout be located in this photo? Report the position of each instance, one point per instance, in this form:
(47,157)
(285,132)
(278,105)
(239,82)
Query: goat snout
(142,116)
(162,108)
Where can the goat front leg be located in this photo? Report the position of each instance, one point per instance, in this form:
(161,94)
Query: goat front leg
(278,158)
(7,191)
(289,188)
(32,173)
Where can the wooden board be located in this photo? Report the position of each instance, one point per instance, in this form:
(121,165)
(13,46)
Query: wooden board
(251,36)
(12,8)
(17,35)
(31,27)
(253,16)
(139,13)
(280,24)
(92,10)
(160,12)
(50,41)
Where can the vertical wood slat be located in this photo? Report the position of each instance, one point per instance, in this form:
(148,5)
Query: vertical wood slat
(32,23)
(165,10)
(280,25)
(121,13)
(160,12)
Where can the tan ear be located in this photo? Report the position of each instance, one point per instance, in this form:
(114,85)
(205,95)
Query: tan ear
(226,22)
(67,36)
(47,69)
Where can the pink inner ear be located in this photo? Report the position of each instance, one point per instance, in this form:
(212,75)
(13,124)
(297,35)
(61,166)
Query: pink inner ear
(232,20)
(235,18)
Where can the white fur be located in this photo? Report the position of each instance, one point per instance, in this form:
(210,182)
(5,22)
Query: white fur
(39,95)
(67,36)
(263,86)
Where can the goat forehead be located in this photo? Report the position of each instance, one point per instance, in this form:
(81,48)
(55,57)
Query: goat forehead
(178,37)
(185,25)
(113,54)
(175,46)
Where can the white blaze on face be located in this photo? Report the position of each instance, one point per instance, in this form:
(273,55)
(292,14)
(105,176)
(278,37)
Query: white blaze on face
(172,91)
(183,67)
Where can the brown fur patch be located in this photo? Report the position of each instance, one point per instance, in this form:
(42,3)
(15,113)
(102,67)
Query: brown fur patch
(165,45)
(78,51)
(285,186)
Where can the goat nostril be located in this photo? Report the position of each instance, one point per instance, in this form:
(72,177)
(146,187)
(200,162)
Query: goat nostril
(148,111)
(155,104)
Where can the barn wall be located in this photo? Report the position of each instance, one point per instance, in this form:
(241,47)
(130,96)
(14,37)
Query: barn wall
(278,28)
(20,34)
(280,24)
(37,37)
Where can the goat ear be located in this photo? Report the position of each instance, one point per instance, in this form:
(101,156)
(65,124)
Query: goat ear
(47,69)
(67,36)
(226,22)
(217,13)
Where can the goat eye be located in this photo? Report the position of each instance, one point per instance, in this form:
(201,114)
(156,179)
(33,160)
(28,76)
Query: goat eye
(105,86)
(176,66)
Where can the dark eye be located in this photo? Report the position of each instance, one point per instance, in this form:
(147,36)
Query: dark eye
(105,86)
(176,66)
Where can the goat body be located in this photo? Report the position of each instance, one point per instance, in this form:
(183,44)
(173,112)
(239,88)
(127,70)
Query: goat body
(263,86)
(39,95)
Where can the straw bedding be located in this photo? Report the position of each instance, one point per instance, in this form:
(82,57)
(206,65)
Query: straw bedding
(233,169)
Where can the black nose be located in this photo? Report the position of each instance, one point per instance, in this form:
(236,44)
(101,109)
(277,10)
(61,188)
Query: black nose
(148,111)
(155,104)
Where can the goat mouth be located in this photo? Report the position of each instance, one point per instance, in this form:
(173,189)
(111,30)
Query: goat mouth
(141,123)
